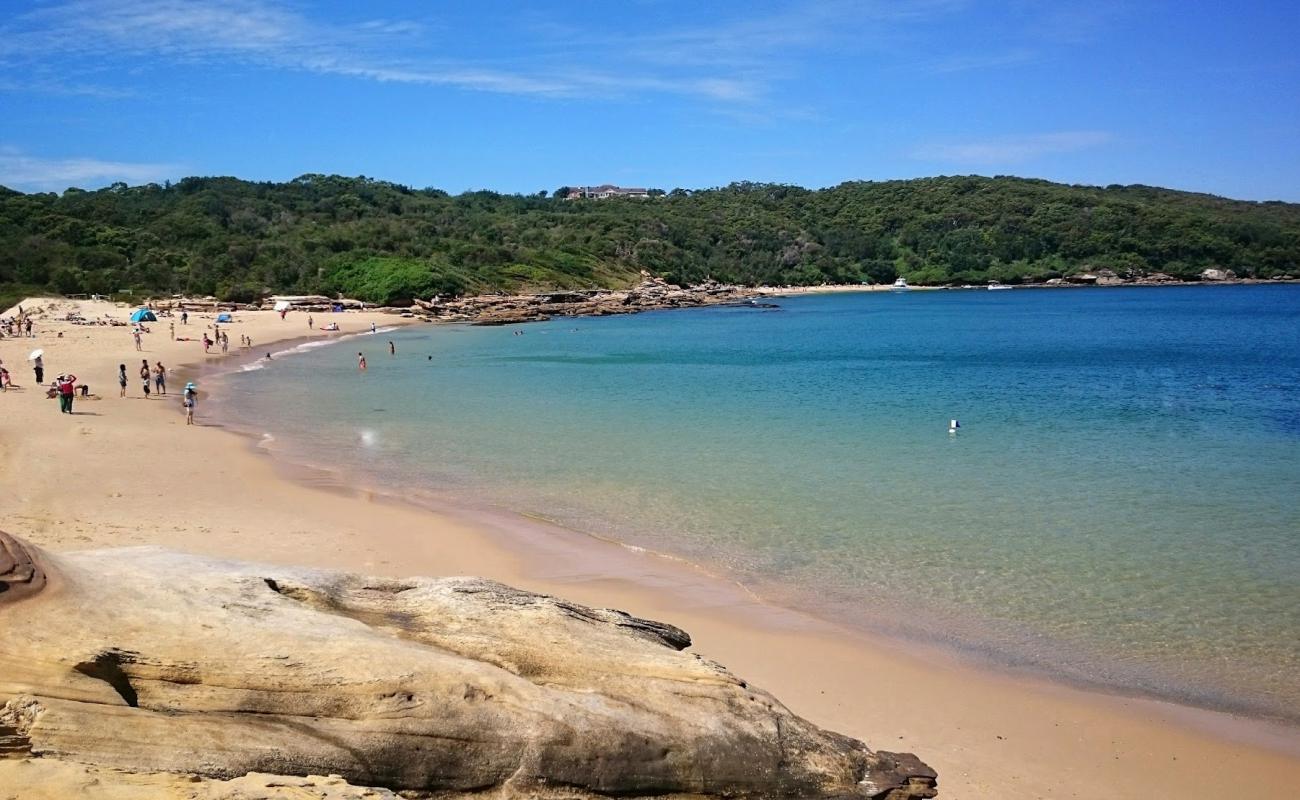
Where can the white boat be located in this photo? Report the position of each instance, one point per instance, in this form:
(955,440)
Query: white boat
(994,286)
(900,285)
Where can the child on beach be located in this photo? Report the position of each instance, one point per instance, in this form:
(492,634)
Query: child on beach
(190,397)
(121,378)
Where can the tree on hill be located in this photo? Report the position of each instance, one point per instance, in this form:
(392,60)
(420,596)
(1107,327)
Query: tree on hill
(384,242)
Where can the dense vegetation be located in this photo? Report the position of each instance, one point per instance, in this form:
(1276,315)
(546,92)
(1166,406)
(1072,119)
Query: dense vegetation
(383,242)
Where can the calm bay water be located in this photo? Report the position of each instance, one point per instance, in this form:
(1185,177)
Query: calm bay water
(1121,506)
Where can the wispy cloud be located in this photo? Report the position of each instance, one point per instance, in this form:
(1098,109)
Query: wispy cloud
(1006,150)
(18,170)
(262,33)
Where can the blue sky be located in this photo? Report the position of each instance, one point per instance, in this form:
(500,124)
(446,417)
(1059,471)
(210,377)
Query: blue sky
(519,97)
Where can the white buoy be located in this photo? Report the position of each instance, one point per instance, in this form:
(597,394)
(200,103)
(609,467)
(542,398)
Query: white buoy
(953,425)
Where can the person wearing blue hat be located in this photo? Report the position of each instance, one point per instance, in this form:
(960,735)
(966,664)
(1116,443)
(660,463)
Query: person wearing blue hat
(189,398)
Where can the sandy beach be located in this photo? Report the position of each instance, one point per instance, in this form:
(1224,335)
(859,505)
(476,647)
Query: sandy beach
(122,472)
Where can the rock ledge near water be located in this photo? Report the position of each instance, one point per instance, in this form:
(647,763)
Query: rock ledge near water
(140,666)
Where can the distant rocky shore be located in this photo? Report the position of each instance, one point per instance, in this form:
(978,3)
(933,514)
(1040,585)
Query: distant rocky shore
(649,295)
(652,294)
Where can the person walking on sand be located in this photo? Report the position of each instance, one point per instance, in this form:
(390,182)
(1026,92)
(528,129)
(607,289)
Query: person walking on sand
(225,343)
(67,391)
(145,376)
(309,321)
(172,327)
(189,398)
(185,318)
(361,362)
(160,378)
(38,366)
(121,378)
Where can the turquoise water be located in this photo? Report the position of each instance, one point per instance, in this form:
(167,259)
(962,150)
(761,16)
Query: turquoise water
(1121,505)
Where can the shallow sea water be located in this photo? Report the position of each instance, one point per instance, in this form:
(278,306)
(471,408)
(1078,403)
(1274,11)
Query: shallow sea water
(1121,505)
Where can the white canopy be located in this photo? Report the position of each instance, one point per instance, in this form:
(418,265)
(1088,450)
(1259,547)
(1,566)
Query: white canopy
(282,305)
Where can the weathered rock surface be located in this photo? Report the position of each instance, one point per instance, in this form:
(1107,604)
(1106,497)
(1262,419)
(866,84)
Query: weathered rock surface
(1218,275)
(651,294)
(148,661)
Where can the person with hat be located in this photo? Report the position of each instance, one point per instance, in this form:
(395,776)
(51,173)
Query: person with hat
(190,397)
(67,390)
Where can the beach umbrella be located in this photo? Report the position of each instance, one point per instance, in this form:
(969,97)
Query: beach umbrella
(35,355)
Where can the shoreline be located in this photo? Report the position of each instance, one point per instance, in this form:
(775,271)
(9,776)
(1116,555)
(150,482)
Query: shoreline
(551,542)
(1049,738)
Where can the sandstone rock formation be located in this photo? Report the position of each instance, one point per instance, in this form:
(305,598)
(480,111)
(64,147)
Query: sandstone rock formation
(652,293)
(146,661)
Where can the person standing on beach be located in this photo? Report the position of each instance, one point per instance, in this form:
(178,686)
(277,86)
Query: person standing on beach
(309,322)
(361,362)
(172,326)
(121,378)
(67,391)
(189,399)
(160,378)
(38,366)
(29,327)
(185,318)
(144,376)
(135,334)
(372,327)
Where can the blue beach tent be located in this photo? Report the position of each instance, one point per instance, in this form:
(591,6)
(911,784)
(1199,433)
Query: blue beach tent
(224,318)
(143,315)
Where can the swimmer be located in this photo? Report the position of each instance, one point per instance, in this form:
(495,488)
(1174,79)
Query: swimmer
(361,361)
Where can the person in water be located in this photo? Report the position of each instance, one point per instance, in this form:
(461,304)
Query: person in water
(361,362)
(392,349)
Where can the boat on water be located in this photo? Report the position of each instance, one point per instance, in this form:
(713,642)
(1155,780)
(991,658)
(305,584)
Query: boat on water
(994,286)
(900,285)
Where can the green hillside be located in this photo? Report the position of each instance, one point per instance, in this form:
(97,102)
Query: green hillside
(383,242)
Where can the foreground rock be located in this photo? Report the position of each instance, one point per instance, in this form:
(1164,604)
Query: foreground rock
(149,662)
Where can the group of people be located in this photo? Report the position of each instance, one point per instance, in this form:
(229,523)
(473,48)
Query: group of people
(17,326)
(222,339)
(157,375)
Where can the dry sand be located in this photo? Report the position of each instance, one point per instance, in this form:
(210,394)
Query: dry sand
(128,471)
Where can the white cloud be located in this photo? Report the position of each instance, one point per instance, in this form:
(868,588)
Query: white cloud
(1012,149)
(34,174)
(261,33)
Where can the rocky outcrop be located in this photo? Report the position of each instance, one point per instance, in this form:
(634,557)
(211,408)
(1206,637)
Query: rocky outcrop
(652,293)
(147,661)
(1218,275)
(21,574)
